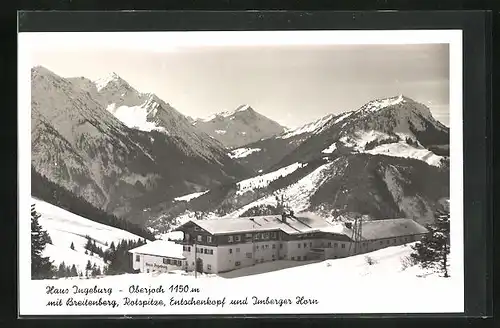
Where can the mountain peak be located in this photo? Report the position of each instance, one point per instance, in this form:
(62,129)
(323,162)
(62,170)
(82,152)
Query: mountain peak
(110,78)
(243,108)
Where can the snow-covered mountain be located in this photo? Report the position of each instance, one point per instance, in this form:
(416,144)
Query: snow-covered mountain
(397,126)
(80,145)
(388,159)
(66,228)
(265,153)
(239,127)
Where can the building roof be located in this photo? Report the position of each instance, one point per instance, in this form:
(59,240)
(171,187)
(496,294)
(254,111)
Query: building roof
(161,248)
(389,228)
(305,223)
(310,223)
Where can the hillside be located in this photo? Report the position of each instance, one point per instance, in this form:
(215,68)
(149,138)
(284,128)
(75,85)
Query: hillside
(65,228)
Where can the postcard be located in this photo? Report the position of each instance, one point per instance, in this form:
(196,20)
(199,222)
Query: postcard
(240,172)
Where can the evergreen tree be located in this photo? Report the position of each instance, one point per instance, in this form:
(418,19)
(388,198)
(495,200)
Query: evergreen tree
(88,268)
(433,250)
(41,267)
(72,246)
(74,272)
(86,252)
(61,271)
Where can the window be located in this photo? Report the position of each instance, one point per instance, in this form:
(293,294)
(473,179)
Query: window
(329,244)
(335,245)
(311,244)
(209,239)
(237,238)
(273,235)
(211,252)
(209,267)
(343,245)
(266,235)
(248,236)
(230,251)
(248,255)
(267,246)
(206,251)
(394,240)
(166,261)
(257,247)
(257,236)
(305,245)
(237,250)
(200,238)
(230,239)
(381,242)
(293,258)
(387,241)
(274,246)
(406,239)
(237,263)
(147,270)
(189,248)
(298,245)
(137,258)
(281,245)
(196,228)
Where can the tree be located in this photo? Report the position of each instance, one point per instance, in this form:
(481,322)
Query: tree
(88,268)
(74,272)
(41,267)
(72,246)
(433,250)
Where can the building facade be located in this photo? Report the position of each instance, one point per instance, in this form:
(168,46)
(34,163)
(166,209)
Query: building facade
(158,256)
(221,245)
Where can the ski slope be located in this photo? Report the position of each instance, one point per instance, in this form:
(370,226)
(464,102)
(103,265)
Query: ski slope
(65,228)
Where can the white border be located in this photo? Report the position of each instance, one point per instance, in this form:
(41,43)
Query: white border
(29,299)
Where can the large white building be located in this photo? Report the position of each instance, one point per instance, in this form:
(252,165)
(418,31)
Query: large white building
(220,245)
(158,256)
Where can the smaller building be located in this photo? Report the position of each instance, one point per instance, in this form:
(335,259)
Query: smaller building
(158,256)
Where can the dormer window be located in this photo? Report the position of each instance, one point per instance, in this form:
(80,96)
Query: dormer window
(230,239)
(196,228)
(237,238)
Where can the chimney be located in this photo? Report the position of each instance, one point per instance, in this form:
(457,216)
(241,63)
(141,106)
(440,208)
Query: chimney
(283,217)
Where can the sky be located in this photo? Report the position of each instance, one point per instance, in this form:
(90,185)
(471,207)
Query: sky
(291,84)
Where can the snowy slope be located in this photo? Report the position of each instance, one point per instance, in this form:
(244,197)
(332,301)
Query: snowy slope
(296,195)
(239,127)
(65,228)
(262,181)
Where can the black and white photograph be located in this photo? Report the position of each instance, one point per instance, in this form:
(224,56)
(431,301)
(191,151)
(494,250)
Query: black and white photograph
(240,172)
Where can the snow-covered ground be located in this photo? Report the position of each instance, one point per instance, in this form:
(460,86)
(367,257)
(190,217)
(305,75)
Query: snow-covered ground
(348,285)
(402,149)
(360,139)
(65,228)
(188,197)
(262,181)
(136,117)
(242,152)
